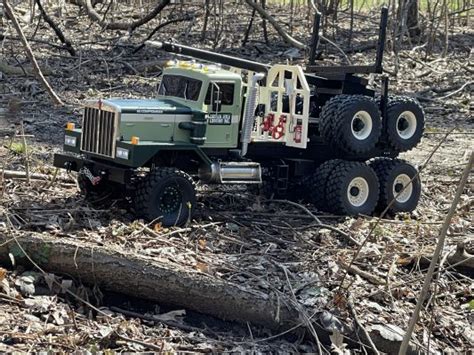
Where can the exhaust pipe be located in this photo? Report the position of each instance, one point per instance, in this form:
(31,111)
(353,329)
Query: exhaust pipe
(249,115)
(231,173)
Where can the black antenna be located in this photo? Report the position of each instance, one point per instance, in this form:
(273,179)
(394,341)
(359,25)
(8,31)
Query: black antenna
(315,38)
(381,40)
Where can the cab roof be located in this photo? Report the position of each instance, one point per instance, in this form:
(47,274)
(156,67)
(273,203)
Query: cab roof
(204,73)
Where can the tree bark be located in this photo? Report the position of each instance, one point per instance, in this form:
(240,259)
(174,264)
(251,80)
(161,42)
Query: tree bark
(36,69)
(411,9)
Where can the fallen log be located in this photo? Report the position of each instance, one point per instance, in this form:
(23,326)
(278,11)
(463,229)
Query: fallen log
(144,277)
(461,258)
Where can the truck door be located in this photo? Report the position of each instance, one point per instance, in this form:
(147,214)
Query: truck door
(223,107)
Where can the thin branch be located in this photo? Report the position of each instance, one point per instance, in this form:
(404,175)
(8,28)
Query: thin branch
(67,43)
(434,260)
(127,26)
(186,17)
(11,14)
(265,15)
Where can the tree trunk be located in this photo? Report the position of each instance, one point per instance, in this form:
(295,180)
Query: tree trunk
(411,9)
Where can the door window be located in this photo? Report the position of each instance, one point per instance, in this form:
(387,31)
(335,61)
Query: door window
(219,94)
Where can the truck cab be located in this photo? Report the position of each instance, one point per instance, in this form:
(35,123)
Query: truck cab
(208,89)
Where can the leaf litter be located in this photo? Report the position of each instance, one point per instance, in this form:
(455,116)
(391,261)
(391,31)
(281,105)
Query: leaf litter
(259,244)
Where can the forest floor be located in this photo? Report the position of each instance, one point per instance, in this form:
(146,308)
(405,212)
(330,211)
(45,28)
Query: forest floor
(256,243)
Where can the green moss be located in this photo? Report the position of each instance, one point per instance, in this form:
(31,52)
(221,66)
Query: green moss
(41,257)
(18,148)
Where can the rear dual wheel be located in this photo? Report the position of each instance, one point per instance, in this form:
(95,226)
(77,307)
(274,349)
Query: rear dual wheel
(405,123)
(351,123)
(344,187)
(351,188)
(400,185)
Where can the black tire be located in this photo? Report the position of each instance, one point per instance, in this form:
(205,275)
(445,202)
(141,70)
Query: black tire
(392,173)
(405,123)
(167,195)
(102,193)
(357,125)
(326,117)
(352,188)
(317,182)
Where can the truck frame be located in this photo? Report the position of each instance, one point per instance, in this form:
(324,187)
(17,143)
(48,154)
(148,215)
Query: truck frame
(295,132)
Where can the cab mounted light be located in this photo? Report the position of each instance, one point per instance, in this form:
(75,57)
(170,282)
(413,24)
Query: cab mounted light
(135,140)
(70,126)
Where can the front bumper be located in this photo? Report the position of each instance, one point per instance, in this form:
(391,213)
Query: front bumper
(105,170)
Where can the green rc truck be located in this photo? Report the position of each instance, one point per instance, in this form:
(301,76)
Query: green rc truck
(302,133)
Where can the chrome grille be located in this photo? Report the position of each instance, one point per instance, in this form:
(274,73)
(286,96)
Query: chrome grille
(99,132)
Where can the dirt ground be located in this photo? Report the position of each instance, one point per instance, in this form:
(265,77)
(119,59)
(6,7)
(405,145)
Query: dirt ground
(259,244)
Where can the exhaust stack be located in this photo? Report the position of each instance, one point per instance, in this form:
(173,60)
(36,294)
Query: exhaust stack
(249,115)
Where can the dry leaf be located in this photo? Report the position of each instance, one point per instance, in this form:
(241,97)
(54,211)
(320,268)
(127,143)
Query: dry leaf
(202,244)
(403,261)
(158,227)
(3,273)
(203,267)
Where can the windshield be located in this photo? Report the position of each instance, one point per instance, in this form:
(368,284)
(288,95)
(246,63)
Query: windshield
(180,86)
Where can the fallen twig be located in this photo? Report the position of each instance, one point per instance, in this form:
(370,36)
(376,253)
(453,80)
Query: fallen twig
(11,174)
(367,337)
(362,273)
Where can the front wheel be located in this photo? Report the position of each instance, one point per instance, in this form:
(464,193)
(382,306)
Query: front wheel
(166,195)
(352,188)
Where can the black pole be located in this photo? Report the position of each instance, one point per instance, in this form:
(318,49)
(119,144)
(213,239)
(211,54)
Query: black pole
(381,40)
(210,56)
(315,38)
